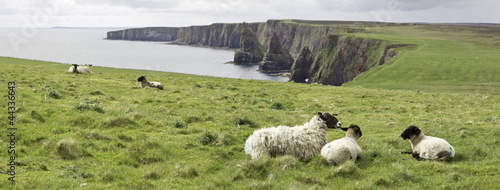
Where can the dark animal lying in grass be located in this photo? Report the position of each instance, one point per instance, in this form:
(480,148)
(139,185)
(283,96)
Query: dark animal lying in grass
(145,82)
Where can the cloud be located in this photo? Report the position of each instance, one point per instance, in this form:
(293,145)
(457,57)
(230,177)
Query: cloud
(197,12)
(372,5)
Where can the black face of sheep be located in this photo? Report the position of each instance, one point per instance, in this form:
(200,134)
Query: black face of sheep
(331,121)
(355,128)
(140,79)
(409,132)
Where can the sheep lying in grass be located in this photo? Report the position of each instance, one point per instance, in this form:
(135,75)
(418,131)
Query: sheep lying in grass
(340,150)
(427,147)
(80,69)
(302,142)
(145,82)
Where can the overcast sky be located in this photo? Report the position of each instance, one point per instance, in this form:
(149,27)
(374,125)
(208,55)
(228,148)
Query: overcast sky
(142,13)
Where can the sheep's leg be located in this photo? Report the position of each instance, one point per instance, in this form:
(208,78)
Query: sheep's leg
(416,155)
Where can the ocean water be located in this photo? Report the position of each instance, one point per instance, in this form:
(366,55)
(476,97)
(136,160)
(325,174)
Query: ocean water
(89,46)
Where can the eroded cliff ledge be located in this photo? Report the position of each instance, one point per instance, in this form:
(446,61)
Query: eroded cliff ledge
(340,59)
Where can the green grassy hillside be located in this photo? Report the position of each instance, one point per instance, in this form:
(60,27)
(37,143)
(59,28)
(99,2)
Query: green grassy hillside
(446,58)
(97,132)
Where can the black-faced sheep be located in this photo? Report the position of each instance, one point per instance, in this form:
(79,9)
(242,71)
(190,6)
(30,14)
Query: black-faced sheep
(427,147)
(302,142)
(145,82)
(80,69)
(345,148)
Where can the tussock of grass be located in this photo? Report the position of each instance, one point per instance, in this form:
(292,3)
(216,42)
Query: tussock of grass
(68,149)
(226,140)
(120,122)
(277,106)
(97,93)
(346,169)
(185,172)
(35,115)
(54,94)
(207,138)
(179,124)
(255,169)
(90,105)
(245,121)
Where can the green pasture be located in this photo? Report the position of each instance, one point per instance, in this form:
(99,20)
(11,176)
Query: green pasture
(79,131)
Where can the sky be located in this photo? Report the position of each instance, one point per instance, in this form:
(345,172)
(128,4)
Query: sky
(176,13)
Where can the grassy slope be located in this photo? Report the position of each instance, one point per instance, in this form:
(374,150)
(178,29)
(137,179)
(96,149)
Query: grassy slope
(447,58)
(153,139)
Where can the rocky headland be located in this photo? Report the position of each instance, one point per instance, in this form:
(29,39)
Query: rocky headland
(324,54)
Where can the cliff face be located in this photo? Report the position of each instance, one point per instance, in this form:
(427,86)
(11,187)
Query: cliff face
(329,58)
(340,59)
(276,58)
(293,36)
(251,51)
(215,35)
(145,34)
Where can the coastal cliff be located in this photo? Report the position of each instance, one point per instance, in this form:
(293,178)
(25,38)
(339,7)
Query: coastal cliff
(293,34)
(340,59)
(328,56)
(145,34)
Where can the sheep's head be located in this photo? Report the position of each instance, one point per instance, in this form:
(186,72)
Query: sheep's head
(140,79)
(409,132)
(76,65)
(331,121)
(355,129)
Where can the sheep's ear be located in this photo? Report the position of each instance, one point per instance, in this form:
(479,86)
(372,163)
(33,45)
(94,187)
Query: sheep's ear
(416,130)
(334,114)
(321,116)
(344,129)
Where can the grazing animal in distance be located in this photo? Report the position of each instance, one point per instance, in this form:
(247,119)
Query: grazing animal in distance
(145,82)
(303,142)
(427,147)
(80,69)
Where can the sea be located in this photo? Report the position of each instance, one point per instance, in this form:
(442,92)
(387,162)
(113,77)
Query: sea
(90,46)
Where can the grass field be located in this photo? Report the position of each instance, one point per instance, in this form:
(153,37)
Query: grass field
(97,132)
(445,59)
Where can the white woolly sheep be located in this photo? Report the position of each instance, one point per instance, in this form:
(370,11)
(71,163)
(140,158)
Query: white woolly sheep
(345,148)
(427,147)
(145,82)
(302,142)
(80,69)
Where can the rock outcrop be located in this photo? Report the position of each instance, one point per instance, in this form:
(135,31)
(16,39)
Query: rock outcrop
(340,59)
(276,59)
(251,51)
(300,68)
(145,34)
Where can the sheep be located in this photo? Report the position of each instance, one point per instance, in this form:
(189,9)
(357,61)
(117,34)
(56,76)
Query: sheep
(145,82)
(302,142)
(80,69)
(427,147)
(340,150)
